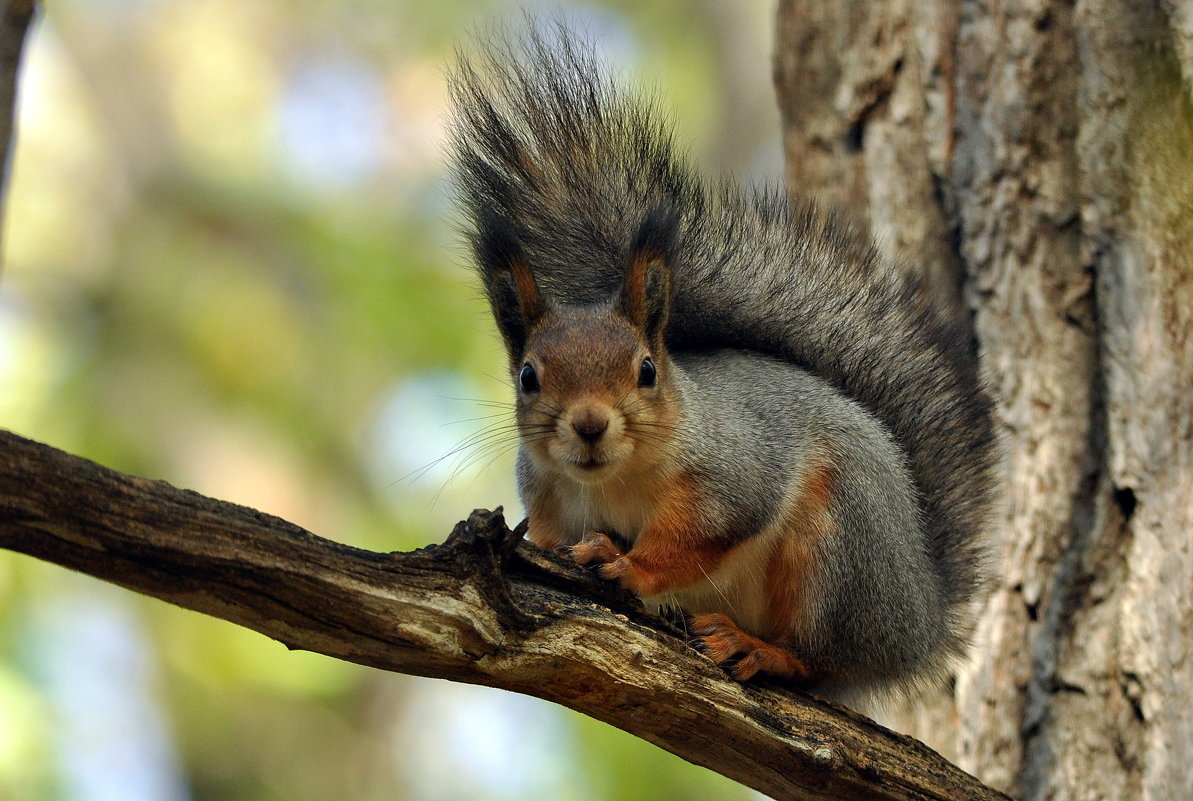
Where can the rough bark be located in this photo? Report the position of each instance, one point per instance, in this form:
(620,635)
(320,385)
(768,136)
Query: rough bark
(1038,157)
(486,607)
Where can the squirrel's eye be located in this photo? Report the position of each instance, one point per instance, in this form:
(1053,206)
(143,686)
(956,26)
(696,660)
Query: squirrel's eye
(647,373)
(528,379)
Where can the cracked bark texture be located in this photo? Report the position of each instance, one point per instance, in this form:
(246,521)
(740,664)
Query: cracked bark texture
(1035,160)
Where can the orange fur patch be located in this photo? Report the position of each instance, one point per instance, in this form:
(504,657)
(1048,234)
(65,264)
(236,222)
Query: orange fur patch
(528,291)
(793,560)
(545,529)
(674,551)
(633,299)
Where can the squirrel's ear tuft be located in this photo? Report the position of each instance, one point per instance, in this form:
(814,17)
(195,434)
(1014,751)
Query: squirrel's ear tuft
(510,285)
(645,297)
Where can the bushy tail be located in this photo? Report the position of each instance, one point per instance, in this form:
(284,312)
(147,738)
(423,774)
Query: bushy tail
(545,140)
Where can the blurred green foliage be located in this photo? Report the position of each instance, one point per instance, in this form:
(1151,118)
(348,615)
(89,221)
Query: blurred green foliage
(229,262)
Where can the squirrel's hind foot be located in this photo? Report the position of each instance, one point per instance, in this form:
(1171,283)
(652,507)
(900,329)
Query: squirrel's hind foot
(721,640)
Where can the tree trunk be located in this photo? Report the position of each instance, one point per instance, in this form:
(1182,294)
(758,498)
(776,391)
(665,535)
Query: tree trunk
(15,17)
(1035,161)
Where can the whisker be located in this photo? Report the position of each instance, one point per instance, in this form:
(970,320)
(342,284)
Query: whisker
(498,449)
(503,381)
(480,401)
(648,436)
(551,409)
(472,419)
(683,617)
(486,465)
(715,587)
(490,433)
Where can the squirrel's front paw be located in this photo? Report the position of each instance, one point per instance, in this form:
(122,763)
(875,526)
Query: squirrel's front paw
(597,549)
(594,548)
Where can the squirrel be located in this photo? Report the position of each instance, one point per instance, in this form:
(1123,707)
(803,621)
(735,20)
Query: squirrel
(726,399)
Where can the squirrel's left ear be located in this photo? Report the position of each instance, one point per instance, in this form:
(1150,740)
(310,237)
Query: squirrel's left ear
(510,285)
(645,296)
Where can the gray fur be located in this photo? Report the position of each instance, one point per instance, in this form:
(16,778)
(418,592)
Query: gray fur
(882,616)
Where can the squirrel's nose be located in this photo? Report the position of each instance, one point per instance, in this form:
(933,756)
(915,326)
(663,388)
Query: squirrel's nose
(590,425)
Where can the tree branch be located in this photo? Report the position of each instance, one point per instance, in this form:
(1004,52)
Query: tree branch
(485,607)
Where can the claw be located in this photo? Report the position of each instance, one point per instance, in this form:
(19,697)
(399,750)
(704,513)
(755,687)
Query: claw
(742,654)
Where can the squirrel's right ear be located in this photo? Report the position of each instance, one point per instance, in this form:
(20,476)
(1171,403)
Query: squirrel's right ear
(645,296)
(510,285)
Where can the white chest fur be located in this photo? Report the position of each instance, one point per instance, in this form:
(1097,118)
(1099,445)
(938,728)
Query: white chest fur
(621,507)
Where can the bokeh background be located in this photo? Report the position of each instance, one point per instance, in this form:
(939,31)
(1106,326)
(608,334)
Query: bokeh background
(229,261)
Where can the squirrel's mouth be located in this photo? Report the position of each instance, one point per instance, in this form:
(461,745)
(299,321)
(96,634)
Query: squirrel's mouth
(591,463)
